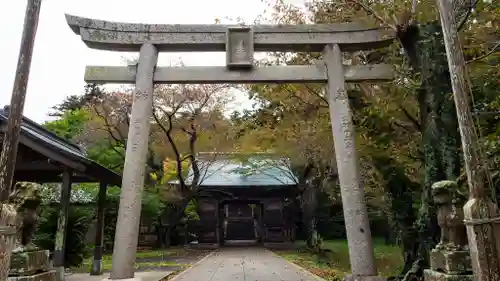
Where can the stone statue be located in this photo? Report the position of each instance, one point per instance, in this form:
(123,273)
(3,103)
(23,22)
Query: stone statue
(450,259)
(450,215)
(26,199)
(457,232)
(28,263)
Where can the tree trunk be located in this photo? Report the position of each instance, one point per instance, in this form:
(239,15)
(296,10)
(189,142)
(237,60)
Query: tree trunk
(176,217)
(400,189)
(168,233)
(427,55)
(309,204)
(160,234)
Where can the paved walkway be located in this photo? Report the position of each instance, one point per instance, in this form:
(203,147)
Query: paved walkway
(244,264)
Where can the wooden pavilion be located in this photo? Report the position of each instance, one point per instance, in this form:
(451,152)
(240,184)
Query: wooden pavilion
(247,201)
(43,157)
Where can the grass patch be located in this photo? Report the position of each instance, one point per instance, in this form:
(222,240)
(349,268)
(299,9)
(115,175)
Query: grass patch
(333,264)
(161,256)
(159,253)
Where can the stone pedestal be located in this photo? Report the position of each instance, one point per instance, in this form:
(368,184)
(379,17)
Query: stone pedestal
(432,275)
(451,259)
(452,262)
(449,265)
(31,266)
(483,232)
(8,217)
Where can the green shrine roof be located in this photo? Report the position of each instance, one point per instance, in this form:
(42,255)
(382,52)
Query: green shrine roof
(224,170)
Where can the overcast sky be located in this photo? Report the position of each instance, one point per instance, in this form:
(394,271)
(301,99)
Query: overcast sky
(60,56)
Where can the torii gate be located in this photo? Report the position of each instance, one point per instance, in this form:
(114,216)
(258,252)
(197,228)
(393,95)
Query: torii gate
(239,43)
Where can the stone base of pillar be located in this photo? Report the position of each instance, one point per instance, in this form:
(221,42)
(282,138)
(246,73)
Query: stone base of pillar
(451,262)
(364,278)
(432,275)
(127,279)
(96,268)
(203,246)
(60,273)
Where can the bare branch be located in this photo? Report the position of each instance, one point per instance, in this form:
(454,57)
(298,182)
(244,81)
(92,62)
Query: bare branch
(294,95)
(168,133)
(321,97)
(412,119)
(467,15)
(490,52)
(109,130)
(402,126)
(193,136)
(109,127)
(371,12)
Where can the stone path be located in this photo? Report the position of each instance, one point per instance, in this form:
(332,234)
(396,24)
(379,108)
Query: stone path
(245,264)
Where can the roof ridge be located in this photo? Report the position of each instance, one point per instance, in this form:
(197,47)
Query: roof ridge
(227,172)
(5,113)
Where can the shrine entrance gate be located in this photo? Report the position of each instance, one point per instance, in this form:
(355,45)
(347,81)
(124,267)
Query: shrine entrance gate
(239,43)
(239,221)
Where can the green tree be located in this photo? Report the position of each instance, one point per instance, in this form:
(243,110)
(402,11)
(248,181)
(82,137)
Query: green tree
(69,125)
(392,118)
(187,119)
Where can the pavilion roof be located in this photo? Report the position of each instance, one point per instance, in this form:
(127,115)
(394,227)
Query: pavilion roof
(57,150)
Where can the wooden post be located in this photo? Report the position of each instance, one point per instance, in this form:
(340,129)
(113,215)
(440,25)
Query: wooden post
(99,233)
(481,214)
(357,225)
(11,137)
(62,224)
(217,222)
(129,213)
(221,218)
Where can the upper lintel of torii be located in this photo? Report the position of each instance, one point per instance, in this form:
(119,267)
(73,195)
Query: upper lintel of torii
(117,36)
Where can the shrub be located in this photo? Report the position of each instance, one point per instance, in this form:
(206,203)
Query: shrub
(79,219)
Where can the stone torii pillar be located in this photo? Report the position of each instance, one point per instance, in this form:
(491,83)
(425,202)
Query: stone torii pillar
(129,212)
(357,224)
